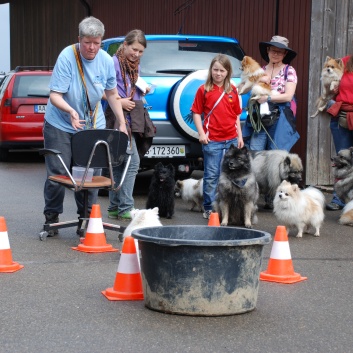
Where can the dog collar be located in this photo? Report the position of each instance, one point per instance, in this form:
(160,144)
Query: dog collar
(240,184)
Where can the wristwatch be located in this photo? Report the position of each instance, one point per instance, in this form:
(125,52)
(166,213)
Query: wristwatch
(268,98)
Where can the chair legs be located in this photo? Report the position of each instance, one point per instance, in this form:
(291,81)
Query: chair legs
(52,224)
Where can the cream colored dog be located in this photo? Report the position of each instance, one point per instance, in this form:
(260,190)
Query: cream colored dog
(330,78)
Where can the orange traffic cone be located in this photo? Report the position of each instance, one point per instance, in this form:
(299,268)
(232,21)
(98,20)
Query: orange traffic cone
(128,281)
(214,219)
(6,263)
(280,267)
(95,241)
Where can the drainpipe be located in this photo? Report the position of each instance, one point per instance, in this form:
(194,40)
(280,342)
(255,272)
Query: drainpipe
(86,5)
(276,18)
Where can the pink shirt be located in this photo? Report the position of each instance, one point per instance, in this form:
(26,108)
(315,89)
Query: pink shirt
(278,83)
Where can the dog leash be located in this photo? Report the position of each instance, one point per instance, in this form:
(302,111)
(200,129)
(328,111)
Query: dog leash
(257,126)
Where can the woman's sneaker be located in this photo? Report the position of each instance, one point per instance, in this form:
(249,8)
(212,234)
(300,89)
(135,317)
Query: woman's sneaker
(113,214)
(127,216)
(207,214)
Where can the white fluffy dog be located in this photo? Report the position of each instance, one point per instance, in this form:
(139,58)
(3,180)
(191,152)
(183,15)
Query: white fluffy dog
(190,190)
(141,219)
(299,208)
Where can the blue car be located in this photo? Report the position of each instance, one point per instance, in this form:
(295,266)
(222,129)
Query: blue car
(175,66)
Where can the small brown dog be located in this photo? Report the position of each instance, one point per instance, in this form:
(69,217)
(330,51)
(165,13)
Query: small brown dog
(251,74)
(330,78)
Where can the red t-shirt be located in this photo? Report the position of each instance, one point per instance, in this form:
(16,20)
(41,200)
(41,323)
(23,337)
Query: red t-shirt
(222,123)
(345,90)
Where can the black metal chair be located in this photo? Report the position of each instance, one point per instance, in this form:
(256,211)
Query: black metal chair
(96,148)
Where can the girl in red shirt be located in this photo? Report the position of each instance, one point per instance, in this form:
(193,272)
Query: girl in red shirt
(218,101)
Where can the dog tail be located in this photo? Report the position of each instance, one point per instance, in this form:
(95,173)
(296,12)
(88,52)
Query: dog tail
(316,194)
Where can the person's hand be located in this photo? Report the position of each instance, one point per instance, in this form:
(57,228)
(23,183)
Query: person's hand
(203,138)
(76,122)
(335,89)
(265,78)
(148,89)
(240,142)
(127,104)
(122,128)
(262,99)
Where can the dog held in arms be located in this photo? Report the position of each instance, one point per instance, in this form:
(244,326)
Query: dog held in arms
(161,191)
(331,75)
(274,166)
(343,172)
(237,190)
(251,79)
(299,208)
(190,190)
(251,74)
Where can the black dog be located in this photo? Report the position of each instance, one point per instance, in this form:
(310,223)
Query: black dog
(161,192)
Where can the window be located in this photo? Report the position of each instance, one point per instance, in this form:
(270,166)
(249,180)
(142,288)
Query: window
(28,86)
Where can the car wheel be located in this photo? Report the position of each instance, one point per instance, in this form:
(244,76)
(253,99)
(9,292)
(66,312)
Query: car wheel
(181,100)
(4,154)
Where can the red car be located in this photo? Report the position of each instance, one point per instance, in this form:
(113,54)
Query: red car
(24,94)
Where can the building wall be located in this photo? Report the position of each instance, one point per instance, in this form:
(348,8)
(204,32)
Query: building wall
(331,35)
(40,29)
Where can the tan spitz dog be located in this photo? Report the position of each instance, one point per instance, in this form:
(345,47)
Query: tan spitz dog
(251,74)
(330,78)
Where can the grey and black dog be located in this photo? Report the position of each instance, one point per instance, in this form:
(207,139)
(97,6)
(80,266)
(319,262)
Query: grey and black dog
(237,190)
(343,172)
(274,166)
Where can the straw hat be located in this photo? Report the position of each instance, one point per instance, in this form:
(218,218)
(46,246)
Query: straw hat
(278,42)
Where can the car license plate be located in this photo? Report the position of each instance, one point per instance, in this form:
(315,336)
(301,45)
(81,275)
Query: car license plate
(40,108)
(166,151)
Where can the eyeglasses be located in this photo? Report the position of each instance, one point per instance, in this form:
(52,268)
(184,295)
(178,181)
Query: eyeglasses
(276,52)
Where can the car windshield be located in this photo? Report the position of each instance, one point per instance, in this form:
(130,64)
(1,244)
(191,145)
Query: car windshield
(31,86)
(182,57)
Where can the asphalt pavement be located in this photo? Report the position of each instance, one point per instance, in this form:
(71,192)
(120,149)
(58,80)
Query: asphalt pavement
(54,304)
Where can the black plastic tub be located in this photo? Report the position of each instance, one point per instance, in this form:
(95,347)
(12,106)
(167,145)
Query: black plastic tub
(201,270)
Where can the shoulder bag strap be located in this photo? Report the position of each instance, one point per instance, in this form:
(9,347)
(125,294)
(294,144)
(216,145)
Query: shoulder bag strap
(76,50)
(286,72)
(209,114)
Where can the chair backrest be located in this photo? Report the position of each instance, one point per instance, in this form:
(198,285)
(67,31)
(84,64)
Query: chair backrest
(83,142)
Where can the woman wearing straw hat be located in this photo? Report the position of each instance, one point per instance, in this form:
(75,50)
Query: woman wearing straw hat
(277,130)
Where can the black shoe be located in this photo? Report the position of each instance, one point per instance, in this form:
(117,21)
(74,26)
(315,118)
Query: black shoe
(333,207)
(49,219)
(80,231)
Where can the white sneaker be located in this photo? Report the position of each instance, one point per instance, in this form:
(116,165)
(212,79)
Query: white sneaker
(207,214)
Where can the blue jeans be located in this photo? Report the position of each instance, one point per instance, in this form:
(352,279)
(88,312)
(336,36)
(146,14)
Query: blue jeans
(123,200)
(260,141)
(54,193)
(213,153)
(342,139)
